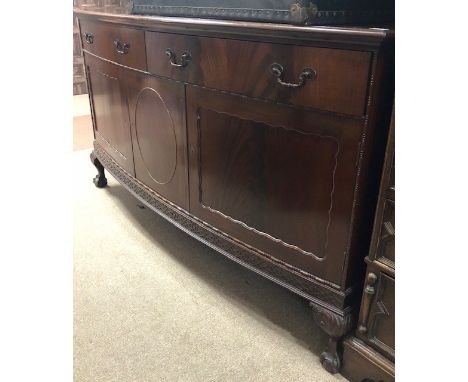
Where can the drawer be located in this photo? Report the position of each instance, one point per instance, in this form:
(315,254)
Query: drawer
(377,315)
(329,79)
(125,46)
(363,364)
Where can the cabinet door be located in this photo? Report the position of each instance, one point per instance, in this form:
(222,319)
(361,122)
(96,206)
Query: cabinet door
(110,111)
(157,115)
(276,178)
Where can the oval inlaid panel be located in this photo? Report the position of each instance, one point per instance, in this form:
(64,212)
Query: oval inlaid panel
(156,137)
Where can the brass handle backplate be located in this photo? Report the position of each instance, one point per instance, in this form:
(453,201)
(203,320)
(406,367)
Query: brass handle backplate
(121,47)
(307,74)
(184,58)
(89,37)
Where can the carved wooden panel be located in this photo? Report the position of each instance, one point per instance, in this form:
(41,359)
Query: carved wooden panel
(386,242)
(157,114)
(110,111)
(277,178)
(381,323)
(382,246)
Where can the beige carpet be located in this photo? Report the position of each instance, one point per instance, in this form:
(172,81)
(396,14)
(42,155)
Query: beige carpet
(153,304)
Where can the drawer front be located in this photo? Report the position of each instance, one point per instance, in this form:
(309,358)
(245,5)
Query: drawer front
(363,364)
(332,79)
(377,314)
(125,46)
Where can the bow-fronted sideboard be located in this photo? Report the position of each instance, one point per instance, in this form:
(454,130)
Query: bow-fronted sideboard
(263,141)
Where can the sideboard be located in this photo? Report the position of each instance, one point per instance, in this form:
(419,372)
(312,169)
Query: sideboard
(263,141)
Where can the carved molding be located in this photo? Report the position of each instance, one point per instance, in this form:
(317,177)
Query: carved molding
(333,324)
(379,313)
(259,262)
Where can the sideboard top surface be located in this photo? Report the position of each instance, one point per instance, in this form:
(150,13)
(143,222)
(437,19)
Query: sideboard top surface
(358,36)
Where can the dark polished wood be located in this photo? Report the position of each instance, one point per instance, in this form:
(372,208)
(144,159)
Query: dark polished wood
(276,167)
(277,178)
(363,364)
(371,356)
(159,137)
(339,83)
(110,110)
(347,37)
(333,301)
(123,45)
(378,327)
(382,248)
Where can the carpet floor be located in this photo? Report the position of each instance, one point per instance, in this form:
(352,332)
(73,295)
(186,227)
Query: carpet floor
(153,304)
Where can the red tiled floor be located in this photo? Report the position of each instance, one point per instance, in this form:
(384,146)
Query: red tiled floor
(82,133)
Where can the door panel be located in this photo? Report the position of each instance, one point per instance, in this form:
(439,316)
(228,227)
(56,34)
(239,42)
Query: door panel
(157,114)
(381,320)
(276,178)
(110,111)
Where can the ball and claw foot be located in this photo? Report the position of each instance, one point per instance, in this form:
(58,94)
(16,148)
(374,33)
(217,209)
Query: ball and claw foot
(330,362)
(99,180)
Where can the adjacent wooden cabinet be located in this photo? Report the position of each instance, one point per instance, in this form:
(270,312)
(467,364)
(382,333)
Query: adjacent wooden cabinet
(369,356)
(263,141)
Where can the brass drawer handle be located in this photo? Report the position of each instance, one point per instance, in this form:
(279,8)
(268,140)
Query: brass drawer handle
(121,47)
(369,292)
(89,37)
(184,59)
(307,74)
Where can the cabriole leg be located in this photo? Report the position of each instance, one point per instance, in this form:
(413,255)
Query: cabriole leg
(336,326)
(99,180)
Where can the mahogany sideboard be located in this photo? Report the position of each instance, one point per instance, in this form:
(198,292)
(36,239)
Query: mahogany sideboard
(263,141)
